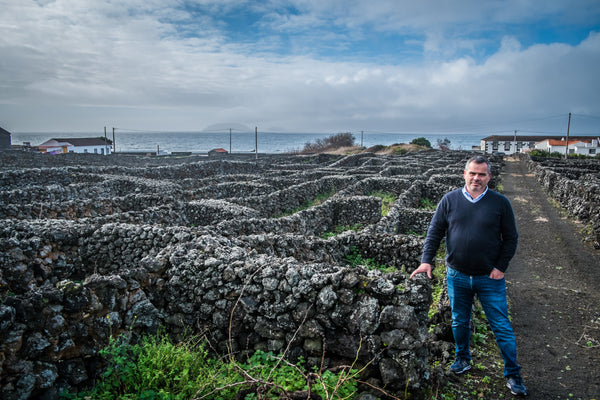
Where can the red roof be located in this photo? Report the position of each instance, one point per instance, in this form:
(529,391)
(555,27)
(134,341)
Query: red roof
(552,142)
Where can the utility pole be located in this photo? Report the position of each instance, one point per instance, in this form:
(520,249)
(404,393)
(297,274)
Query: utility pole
(114,143)
(105,146)
(256,141)
(361,138)
(229,141)
(515,142)
(567,144)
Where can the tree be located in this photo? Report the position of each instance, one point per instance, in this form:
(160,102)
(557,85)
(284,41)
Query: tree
(443,144)
(421,142)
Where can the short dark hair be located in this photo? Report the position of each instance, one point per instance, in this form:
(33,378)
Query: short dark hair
(479,160)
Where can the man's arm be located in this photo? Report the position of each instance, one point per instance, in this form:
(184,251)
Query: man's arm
(510,237)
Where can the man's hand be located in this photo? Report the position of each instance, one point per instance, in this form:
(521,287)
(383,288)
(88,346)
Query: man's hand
(422,268)
(496,274)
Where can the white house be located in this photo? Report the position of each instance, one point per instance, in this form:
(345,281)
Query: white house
(76,145)
(587,147)
(508,144)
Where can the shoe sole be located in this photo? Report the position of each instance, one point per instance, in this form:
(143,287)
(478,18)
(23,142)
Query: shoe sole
(462,371)
(514,393)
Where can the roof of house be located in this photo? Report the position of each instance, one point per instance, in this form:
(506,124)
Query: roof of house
(54,143)
(554,142)
(4,131)
(84,141)
(219,150)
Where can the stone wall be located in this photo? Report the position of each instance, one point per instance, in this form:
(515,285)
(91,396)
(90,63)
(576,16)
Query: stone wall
(90,248)
(575,184)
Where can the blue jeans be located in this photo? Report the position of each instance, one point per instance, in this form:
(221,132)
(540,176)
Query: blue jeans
(492,295)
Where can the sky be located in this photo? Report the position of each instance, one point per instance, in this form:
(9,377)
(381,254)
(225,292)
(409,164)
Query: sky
(461,66)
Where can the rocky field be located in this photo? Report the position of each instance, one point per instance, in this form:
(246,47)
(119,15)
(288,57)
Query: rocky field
(281,253)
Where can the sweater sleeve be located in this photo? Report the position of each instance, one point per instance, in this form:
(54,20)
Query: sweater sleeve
(435,233)
(509,237)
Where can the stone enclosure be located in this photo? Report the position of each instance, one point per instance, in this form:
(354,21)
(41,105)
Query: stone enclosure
(93,246)
(575,184)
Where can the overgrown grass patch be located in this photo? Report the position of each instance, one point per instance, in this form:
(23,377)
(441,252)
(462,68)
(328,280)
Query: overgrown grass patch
(158,368)
(387,201)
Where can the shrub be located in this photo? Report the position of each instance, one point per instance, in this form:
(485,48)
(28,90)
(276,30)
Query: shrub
(421,141)
(330,143)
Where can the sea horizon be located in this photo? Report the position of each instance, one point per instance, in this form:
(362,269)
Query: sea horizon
(246,142)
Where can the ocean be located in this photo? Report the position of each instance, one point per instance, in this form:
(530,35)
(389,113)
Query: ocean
(241,142)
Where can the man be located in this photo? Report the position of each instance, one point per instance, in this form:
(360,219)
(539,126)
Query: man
(481,239)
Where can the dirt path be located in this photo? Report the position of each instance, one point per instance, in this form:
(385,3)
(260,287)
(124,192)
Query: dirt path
(554,293)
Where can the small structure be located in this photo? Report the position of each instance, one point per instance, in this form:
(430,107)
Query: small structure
(5,140)
(217,152)
(76,145)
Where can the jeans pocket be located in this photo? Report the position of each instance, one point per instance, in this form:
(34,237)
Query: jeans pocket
(451,272)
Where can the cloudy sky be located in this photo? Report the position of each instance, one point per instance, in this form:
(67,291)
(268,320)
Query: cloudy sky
(300,65)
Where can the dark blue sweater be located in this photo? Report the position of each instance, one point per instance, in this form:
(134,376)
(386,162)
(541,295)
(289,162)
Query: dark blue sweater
(480,236)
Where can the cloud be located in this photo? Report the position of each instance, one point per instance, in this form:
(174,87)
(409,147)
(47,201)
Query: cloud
(304,65)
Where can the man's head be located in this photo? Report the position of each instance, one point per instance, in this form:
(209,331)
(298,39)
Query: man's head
(477,174)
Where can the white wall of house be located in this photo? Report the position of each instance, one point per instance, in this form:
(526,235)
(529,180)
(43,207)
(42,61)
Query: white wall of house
(91,149)
(506,147)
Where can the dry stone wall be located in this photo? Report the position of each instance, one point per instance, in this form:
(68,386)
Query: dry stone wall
(93,246)
(575,184)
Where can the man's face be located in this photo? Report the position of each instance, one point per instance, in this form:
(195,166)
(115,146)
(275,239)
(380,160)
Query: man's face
(476,178)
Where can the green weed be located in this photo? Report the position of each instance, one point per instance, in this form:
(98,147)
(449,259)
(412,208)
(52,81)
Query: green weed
(387,201)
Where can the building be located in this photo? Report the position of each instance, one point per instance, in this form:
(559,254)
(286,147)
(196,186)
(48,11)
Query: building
(5,139)
(76,145)
(586,147)
(511,144)
(217,152)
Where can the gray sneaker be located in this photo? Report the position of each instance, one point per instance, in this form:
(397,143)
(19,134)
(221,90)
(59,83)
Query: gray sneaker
(515,384)
(460,365)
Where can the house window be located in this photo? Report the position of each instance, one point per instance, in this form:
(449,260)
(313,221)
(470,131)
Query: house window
(506,146)
(592,151)
(85,150)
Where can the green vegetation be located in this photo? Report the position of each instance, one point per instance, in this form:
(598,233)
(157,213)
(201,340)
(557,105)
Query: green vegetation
(427,204)
(354,258)
(332,142)
(546,154)
(387,201)
(421,141)
(318,200)
(156,368)
(336,230)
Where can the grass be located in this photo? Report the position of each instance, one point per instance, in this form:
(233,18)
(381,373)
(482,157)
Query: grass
(387,201)
(427,204)
(317,200)
(157,368)
(341,228)
(354,258)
